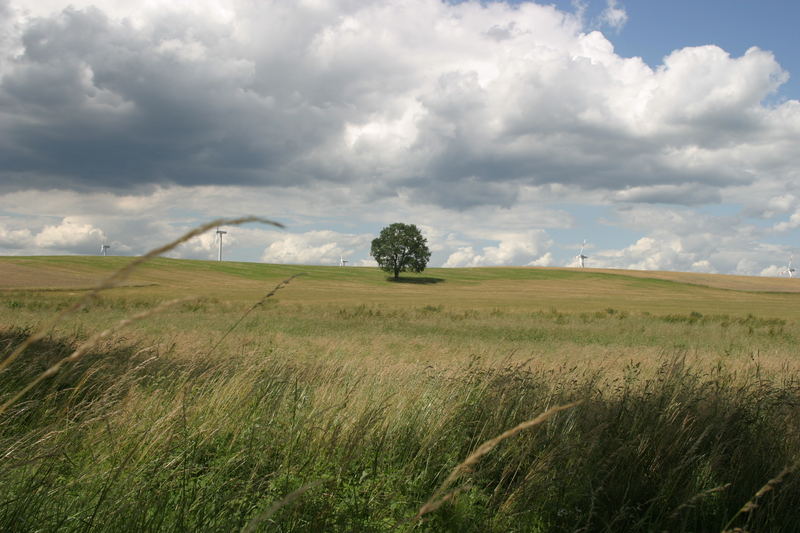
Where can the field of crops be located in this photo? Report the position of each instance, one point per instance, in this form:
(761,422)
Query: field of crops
(347,402)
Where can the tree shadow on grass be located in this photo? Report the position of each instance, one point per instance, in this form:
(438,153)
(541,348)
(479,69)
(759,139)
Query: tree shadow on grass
(417,281)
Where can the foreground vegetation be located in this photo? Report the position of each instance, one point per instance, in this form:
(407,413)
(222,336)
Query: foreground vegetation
(343,403)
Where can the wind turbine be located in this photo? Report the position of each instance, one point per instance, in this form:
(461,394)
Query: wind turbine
(581,258)
(342,261)
(104,249)
(789,270)
(220,233)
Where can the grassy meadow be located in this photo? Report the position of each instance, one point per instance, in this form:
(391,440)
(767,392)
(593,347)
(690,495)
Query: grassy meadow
(344,401)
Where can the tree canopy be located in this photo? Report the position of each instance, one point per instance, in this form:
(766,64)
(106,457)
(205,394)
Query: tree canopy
(401,248)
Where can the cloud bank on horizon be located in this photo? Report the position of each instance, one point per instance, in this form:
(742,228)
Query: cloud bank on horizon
(508,132)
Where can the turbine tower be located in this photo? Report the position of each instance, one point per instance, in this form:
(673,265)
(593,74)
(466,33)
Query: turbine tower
(581,258)
(104,249)
(342,261)
(789,270)
(220,233)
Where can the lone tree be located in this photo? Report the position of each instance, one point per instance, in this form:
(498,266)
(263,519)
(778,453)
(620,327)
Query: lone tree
(401,248)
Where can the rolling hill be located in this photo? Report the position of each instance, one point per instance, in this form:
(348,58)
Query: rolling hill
(511,288)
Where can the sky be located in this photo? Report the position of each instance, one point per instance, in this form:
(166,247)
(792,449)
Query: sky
(664,134)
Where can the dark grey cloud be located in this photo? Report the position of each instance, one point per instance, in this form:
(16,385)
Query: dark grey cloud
(463,193)
(96,103)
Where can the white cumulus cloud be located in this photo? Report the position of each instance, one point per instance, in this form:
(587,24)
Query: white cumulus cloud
(518,249)
(70,234)
(314,247)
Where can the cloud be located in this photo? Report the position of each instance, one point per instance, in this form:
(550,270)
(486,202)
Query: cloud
(207,245)
(613,16)
(138,223)
(71,235)
(15,239)
(512,249)
(684,194)
(792,223)
(544,261)
(314,247)
(454,105)
(680,239)
(662,251)
(663,237)
(781,270)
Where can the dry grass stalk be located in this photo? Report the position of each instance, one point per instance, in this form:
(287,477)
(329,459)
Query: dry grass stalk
(86,346)
(752,503)
(120,275)
(440,496)
(696,498)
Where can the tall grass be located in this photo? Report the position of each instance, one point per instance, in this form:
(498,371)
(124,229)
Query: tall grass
(131,438)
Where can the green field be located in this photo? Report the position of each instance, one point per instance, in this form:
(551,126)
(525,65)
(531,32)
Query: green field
(365,394)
